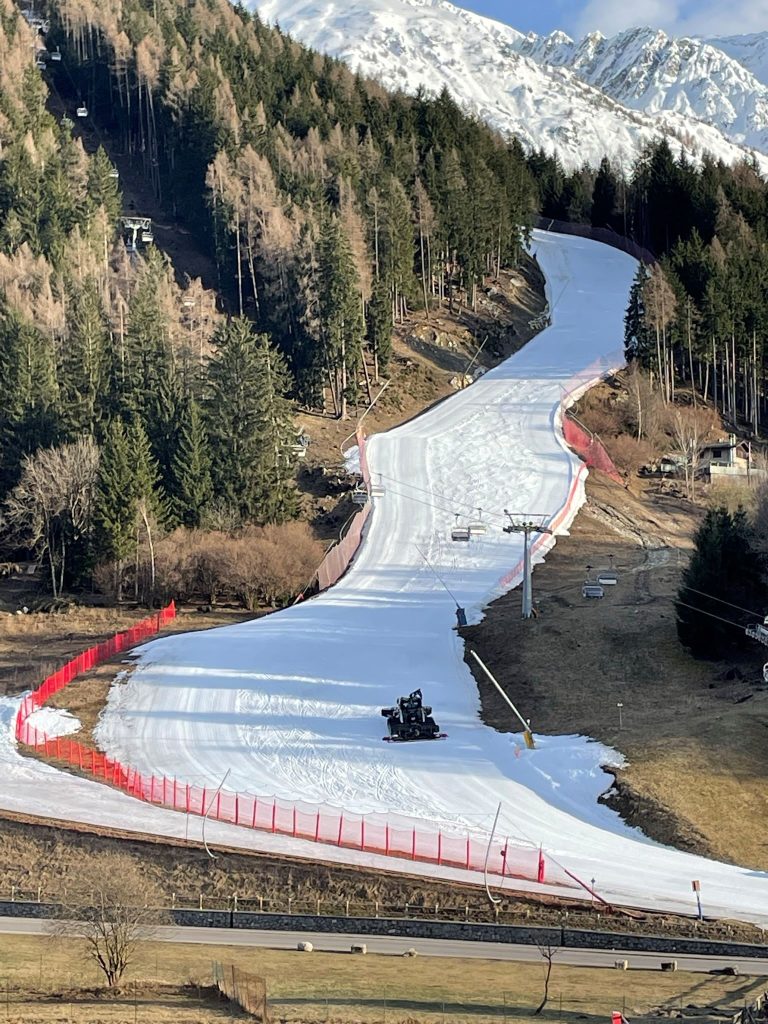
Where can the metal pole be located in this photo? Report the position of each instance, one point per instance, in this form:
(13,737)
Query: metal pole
(484,667)
(491,897)
(527,581)
(210,806)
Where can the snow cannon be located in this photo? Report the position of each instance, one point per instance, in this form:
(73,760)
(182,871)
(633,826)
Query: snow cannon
(411,719)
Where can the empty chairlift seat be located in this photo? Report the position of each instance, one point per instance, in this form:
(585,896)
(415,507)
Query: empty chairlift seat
(608,577)
(377,489)
(591,589)
(82,111)
(56,55)
(359,495)
(460,533)
(477,528)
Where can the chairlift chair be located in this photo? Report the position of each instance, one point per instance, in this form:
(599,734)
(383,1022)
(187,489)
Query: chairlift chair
(56,55)
(40,64)
(360,495)
(607,578)
(377,489)
(591,589)
(477,528)
(82,111)
(460,533)
(114,173)
(147,237)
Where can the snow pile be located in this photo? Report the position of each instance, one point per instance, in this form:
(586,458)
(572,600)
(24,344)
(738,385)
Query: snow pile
(582,101)
(54,722)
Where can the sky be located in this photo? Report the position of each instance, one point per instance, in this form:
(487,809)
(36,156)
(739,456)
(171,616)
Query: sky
(680,17)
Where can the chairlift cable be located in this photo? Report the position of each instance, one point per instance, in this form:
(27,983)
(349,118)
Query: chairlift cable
(721,601)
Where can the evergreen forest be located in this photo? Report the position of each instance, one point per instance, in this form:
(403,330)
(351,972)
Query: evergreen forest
(134,406)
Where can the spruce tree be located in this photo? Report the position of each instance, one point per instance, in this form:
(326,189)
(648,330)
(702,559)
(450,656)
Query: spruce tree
(247,417)
(84,360)
(723,568)
(114,506)
(379,325)
(604,196)
(191,489)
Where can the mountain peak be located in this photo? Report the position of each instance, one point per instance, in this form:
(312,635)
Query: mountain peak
(582,100)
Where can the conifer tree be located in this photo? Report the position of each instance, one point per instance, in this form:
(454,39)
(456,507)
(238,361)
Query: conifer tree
(84,358)
(114,509)
(723,567)
(340,312)
(379,325)
(248,424)
(191,489)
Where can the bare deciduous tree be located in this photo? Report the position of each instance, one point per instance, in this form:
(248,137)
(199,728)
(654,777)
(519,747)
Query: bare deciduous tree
(548,952)
(51,508)
(689,428)
(121,909)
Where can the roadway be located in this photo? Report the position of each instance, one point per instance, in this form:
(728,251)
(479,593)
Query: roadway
(393,945)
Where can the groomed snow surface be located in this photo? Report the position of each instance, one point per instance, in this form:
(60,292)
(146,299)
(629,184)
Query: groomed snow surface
(290,703)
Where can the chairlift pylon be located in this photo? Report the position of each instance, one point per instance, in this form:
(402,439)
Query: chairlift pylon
(460,533)
(477,528)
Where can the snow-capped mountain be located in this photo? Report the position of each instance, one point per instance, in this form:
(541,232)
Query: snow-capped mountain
(525,84)
(750,50)
(650,71)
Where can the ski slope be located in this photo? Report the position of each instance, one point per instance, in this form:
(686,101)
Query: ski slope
(290,703)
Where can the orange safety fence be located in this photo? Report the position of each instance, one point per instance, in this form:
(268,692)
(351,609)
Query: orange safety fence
(390,835)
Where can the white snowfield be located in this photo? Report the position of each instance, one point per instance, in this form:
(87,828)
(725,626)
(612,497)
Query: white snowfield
(289,704)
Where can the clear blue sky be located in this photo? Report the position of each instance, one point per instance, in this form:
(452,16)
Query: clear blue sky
(694,17)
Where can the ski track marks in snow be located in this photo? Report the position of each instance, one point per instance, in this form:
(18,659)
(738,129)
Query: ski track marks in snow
(290,703)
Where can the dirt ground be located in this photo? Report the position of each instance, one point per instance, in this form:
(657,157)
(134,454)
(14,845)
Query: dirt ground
(36,643)
(47,980)
(693,732)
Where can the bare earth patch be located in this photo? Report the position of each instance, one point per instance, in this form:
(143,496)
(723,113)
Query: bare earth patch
(697,750)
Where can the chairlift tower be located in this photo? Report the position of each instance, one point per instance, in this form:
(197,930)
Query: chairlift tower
(519,524)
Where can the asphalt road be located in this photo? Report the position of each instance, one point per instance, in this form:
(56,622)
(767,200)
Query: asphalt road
(392,945)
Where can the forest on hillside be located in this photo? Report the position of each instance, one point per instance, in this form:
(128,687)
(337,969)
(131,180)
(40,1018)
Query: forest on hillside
(697,316)
(144,425)
(147,427)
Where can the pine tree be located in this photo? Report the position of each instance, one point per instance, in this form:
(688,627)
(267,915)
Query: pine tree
(379,325)
(114,508)
(638,342)
(249,426)
(604,196)
(84,360)
(340,312)
(191,489)
(723,567)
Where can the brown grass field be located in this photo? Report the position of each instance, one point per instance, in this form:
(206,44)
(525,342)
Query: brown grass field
(45,980)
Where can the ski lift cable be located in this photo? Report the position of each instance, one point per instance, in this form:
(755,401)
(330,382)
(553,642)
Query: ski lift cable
(441,497)
(728,622)
(720,600)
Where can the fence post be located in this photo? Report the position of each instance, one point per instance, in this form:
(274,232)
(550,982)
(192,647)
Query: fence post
(468,852)
(386,839)
(237,808)
(413,845)
(317,826)
(341,828)
(294,819)
(255,806)
(274,813)
(541,868)
(439,847)
(362,832)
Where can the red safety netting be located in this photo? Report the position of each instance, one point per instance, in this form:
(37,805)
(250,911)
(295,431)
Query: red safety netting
(389,835)
(590,448)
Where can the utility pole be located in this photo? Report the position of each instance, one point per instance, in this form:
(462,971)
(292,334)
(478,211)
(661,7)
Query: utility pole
(519,524)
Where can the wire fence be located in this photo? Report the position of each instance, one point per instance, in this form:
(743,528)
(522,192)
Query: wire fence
(246,990)
(338,559)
